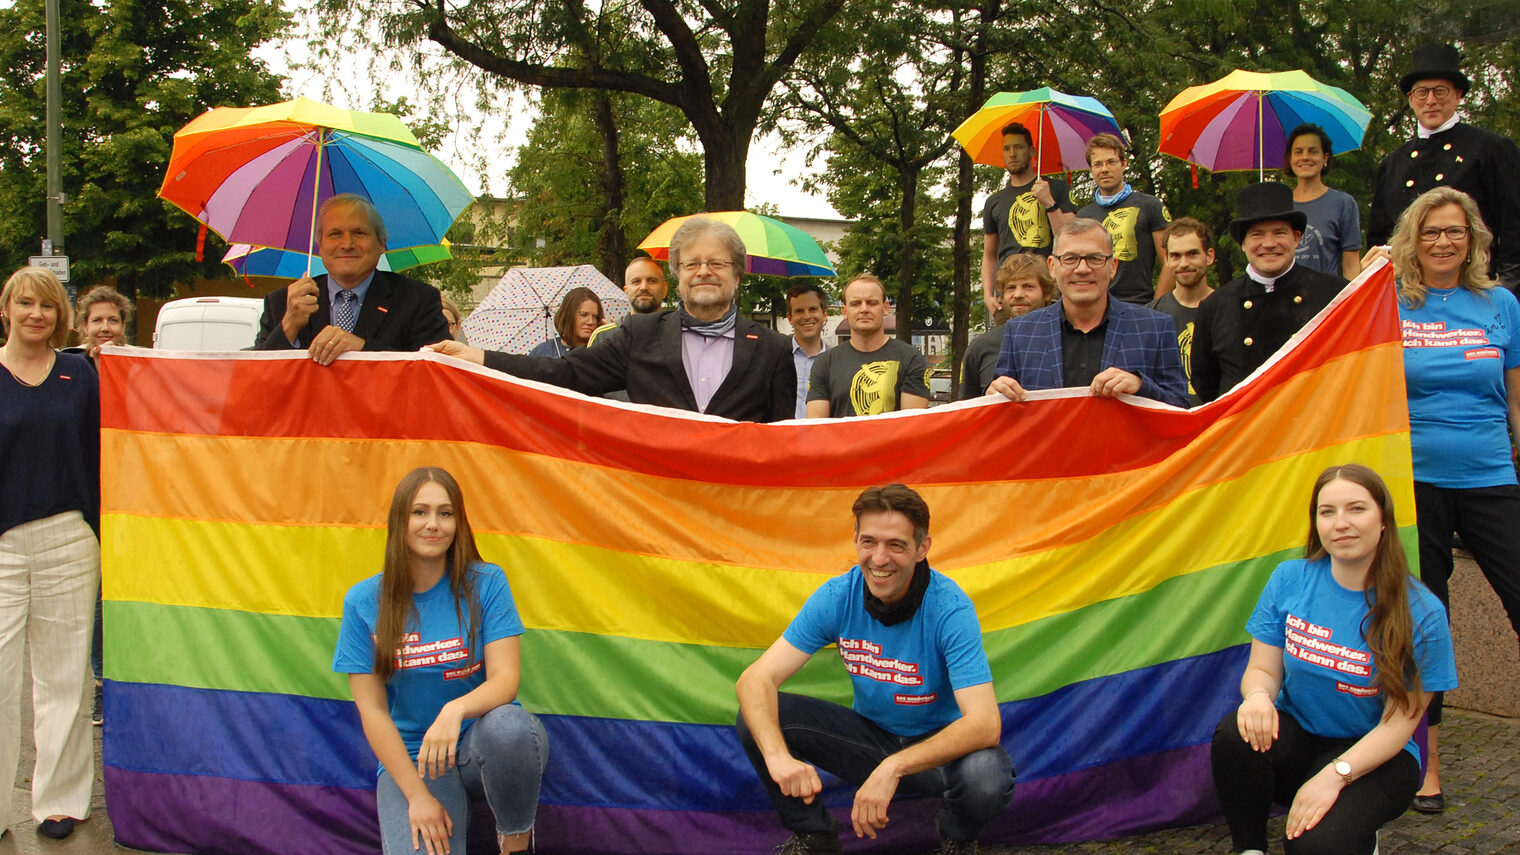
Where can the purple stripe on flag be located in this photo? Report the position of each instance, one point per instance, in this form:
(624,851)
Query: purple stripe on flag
(1130,796)
(223,816)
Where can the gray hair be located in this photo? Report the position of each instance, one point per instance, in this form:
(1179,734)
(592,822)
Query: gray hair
(363,206)
(696,227)
(1079,226)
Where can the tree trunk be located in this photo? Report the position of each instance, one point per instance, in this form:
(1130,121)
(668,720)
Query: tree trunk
(611,244)
(906,218)
(965,186)
(724,163)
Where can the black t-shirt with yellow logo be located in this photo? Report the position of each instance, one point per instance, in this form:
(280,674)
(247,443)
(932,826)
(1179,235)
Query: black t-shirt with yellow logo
(865,384)
(1020,221)
(1132,224)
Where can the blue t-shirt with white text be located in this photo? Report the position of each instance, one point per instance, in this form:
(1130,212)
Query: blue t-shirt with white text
(436,664)
(1457,346)
(905,675)
(1328,671)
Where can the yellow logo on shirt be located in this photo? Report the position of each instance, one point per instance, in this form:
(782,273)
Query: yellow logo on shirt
(873,389)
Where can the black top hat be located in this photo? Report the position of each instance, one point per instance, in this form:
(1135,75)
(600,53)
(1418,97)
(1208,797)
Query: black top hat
(1435,62)
(1258,203)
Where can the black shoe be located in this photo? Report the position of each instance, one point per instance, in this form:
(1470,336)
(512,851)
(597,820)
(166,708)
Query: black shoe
(57,829)
(97,715)
(811,843)
(1432,804)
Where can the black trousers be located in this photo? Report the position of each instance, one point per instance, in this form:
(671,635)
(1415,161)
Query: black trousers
(1488,519)
(975,788)
(1249,783)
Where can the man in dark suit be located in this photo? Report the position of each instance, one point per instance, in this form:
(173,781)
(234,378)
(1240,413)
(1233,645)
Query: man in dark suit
(1448,152)
(700,356)
(354,306)
(1088,338)
(1250,317)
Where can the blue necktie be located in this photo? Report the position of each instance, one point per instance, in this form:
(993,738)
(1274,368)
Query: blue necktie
(347,310)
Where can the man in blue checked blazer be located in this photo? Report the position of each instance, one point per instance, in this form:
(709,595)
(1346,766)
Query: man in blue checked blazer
(1087,339)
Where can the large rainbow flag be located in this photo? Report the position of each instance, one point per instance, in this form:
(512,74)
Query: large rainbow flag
(1113,549)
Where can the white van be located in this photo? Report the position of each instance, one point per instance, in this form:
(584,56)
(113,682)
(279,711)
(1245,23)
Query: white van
(208,323)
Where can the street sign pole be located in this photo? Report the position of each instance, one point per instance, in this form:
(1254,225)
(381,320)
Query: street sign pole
(54,155)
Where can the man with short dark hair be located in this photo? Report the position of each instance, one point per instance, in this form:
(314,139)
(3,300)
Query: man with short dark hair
(1022,216)
(807,308)
(354,305)
(1447,152)
(1134,221)
(701,356)
(1189,248)
(1249,318)
(1090,338)
(645,286)
(1024,284)
(925,718)
(872,372)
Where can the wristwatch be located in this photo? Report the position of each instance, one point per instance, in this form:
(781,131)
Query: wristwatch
(1343,769)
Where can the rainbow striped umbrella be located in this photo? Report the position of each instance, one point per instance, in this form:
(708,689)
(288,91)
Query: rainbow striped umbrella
(256,175)
(1062,125)
(1242,119)
(774,248)
(285,264)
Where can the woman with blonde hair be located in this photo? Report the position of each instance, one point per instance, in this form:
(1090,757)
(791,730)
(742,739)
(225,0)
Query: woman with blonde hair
(49,546)
(1346,648)
(432,647)
(1462,373)
(102,314)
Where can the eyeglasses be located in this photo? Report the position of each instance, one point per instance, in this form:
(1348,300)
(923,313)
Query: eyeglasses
(1420,93)
(1070,262)
(1453,234)
(716,265)
(1105,164)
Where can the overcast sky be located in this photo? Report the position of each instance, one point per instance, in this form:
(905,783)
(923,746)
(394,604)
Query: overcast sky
(351,86)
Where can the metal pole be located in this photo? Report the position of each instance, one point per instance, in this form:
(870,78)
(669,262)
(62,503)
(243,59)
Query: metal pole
(54,97)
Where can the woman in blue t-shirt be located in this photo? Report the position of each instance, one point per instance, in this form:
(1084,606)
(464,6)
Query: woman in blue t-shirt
(1462,372)
(431,647)
(1346,648)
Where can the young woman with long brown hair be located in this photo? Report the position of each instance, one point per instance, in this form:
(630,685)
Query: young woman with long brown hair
(432,650)
(1346,650)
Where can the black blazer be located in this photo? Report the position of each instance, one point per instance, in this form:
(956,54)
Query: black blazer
(643,356)
(1241,325)
(398,313)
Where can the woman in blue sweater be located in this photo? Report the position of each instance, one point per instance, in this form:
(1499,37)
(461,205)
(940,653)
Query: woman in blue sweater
(49,549)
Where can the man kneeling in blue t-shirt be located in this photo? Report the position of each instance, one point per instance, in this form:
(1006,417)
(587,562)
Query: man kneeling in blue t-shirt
(925,718)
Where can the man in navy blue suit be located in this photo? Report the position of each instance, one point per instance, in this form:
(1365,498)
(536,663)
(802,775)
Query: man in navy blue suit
(1087,339)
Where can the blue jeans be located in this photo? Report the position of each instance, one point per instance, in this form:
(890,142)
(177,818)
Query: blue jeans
(976,788)
(501,758)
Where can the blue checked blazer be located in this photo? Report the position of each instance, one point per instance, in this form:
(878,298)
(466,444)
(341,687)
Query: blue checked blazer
(1139,340)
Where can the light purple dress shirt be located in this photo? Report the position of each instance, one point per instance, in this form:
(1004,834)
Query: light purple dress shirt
(707,361)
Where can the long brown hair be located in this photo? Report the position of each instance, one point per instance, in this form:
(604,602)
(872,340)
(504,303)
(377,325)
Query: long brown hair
(396,585)
(1388,628)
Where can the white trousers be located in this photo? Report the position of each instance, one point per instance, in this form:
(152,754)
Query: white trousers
(49,572)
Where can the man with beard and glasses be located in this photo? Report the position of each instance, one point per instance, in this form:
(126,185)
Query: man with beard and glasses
(700,356)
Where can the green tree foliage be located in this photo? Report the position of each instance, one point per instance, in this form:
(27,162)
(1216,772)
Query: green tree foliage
(715,61)
(557,183)
(887,109)
(132,74)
